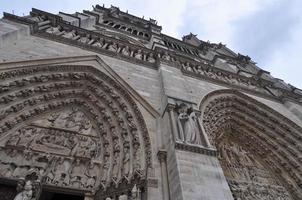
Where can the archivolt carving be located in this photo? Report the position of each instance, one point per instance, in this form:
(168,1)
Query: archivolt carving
(233,121)
(73,125)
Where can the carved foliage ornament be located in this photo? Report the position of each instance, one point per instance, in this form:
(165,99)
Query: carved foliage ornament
(273,139)
(73,125)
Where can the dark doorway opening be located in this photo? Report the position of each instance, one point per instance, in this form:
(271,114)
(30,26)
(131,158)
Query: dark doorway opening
(7,192)
(59,196)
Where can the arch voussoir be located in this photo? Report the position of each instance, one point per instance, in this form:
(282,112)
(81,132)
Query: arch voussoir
(242,128)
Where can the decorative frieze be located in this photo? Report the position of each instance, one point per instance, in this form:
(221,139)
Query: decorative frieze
(54,28)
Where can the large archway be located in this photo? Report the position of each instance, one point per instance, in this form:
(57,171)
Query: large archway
(260,150)
(71,128)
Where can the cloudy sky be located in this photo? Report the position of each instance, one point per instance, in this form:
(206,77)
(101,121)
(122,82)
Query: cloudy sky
(269,31)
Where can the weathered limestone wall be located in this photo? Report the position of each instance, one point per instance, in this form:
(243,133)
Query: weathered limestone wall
(191,175)
(201,177)
(10,32)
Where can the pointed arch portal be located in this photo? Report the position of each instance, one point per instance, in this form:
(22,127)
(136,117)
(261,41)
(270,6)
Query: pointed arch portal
(71,127)
(259,149)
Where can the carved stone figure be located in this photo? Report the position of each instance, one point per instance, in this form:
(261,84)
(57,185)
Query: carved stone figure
(113,47)
(135,193)
(106,166)
(188,125)
(38,18)
(187,67)
(99,43)
(138,54)
(78,174)
(61,173)
(150,58)
(70,35)
(126,160)
(115,167)
(85,39)
(54,30)
(193,134)
(123,197)
(126,51)
(166,56)
(27,193)
(91,174)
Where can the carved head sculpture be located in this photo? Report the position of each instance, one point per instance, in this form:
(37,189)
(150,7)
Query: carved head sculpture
(181,109)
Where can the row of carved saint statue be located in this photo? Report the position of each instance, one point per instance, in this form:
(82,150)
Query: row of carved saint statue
(29,192)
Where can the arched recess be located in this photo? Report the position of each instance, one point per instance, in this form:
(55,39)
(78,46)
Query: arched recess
(260,150)
(73,127)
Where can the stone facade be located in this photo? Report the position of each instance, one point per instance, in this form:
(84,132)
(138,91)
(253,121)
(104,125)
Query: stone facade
(100,105)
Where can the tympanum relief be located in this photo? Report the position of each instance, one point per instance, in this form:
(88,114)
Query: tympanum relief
(72,129)
(247,177)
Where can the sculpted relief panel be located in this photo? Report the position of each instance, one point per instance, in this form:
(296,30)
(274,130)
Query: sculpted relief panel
(186,125)
(248,179)
(266,164)
(71,127)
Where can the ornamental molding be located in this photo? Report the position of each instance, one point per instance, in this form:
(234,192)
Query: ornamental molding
(76,116)
(195,149)
(54,28)
(277,141)
(78,59)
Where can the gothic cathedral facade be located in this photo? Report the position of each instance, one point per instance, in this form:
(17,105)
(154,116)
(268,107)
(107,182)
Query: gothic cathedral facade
(101,105)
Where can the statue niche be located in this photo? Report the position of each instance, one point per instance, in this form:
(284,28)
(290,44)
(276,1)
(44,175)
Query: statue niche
(188,125)
(247,177)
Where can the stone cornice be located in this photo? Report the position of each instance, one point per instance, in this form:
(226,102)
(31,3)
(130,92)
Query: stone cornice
(195,149)
(197,68)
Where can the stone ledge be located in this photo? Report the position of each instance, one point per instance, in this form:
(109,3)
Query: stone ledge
(195,149)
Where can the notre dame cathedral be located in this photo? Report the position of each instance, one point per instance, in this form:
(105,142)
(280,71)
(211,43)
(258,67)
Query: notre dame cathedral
(101,105)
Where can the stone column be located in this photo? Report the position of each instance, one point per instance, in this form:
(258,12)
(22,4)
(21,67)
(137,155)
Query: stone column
(203,133)
(173,123)
(162,157)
